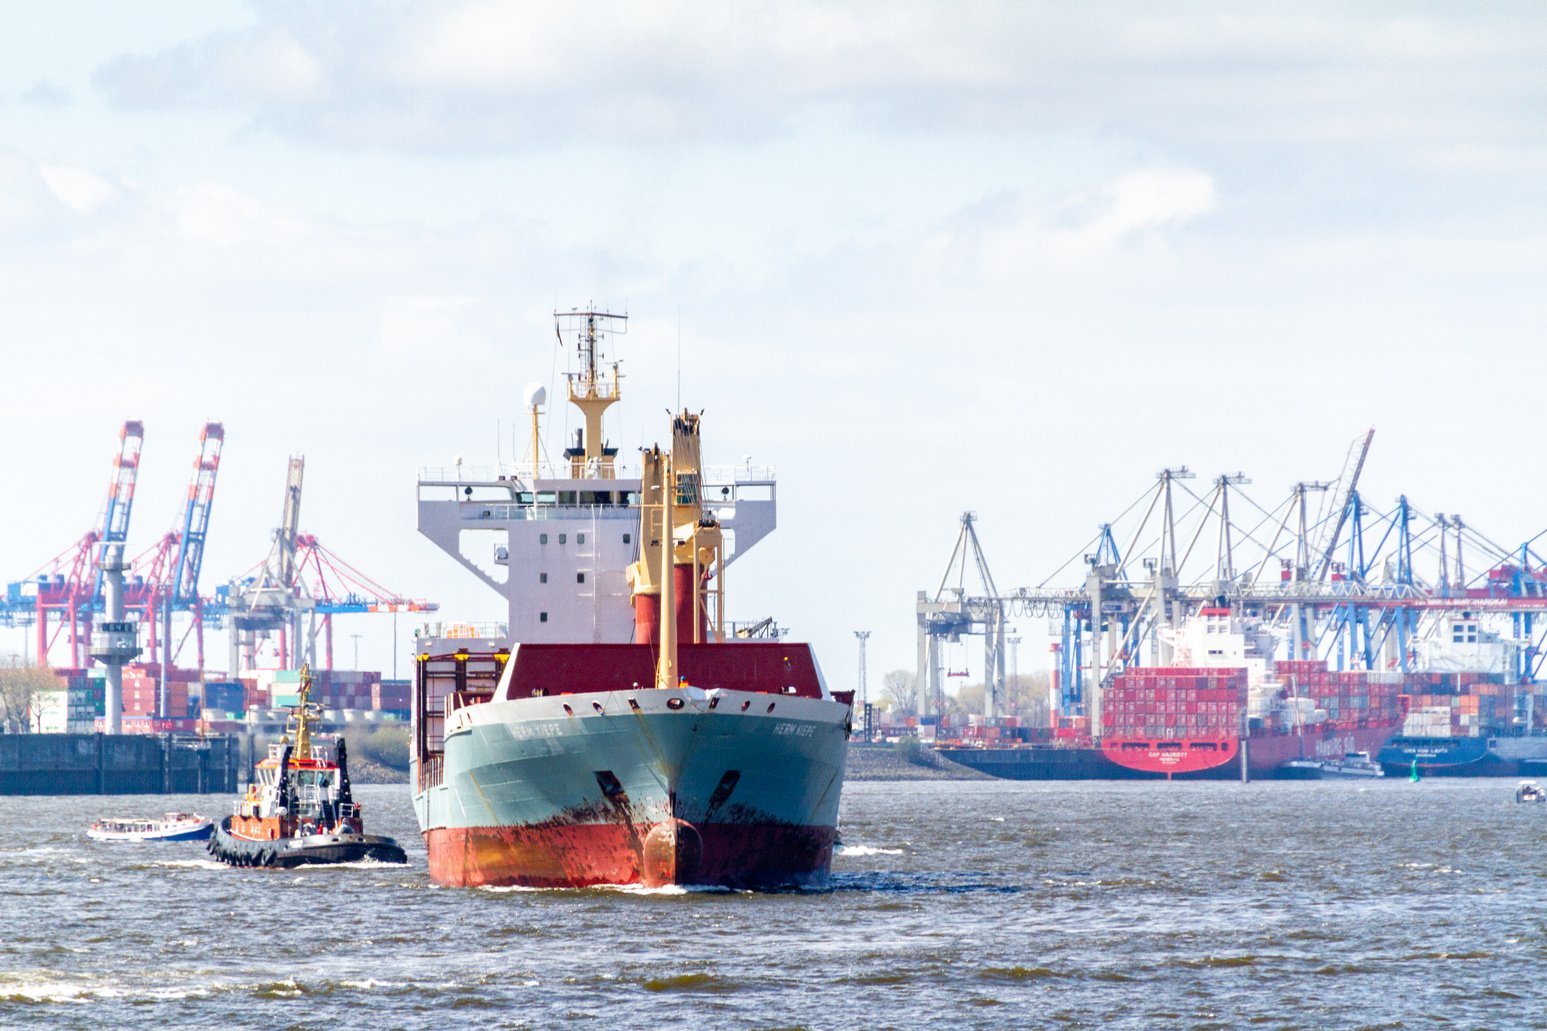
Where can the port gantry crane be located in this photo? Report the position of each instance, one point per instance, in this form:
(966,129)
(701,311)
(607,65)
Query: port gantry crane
(1369,610)
(67,590)
(298,582)
(166,576)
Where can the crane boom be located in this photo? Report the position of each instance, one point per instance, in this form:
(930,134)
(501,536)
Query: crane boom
(1346,490)
(201,494)
(120,503)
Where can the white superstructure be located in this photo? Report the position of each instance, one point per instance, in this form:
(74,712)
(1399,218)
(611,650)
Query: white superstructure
(555,542)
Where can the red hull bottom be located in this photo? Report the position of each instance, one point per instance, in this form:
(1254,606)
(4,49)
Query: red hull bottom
(1170,757)
(1220,758)
(580,855)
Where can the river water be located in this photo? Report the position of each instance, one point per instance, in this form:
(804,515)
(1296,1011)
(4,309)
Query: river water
(953,904)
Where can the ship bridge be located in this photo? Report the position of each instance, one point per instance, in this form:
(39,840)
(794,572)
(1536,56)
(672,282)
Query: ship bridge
(556,545)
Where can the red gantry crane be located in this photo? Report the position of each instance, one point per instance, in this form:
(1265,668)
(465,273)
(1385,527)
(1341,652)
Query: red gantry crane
(67,590)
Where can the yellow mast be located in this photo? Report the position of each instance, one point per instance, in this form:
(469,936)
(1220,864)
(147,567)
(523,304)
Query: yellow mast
(303,728)
(666,665)
(593,394)
(681,534)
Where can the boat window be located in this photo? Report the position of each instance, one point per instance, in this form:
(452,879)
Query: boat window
(563,537)
(542,578)
(542,617)
(579,578)
(579,538)
(542,538)
(628,538)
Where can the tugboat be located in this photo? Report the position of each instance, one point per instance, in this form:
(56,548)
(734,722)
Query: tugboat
(301,811)
(171,827)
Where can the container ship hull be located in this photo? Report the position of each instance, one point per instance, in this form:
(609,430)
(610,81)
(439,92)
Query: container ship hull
(1136,759)
(686,785)
(1466,756)
(1266,754)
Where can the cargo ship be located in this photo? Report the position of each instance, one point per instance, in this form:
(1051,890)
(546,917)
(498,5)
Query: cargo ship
(1225,705)
(617,730)
(1469,714)
(1231,705)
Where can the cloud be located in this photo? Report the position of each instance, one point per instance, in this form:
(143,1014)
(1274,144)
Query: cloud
(28,206)
(82,190)
(47,95)
(491,76)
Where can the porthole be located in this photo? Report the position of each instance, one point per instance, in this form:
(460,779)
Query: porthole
(674,703)
(633,703)
(770,706)
(568,711)
(745,706)
(598,707)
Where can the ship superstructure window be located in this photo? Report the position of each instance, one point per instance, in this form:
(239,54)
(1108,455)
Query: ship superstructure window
(579,578)
(563,537)
(542,617)
(542,578)
(1464,633)
(628,538)
(542,538)
(579,538)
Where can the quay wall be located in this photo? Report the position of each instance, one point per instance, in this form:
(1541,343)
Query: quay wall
(118,764)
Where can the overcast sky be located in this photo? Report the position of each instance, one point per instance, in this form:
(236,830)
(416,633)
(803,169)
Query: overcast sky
(921,257)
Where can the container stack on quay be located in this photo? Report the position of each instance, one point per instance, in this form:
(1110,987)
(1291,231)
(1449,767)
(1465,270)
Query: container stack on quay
(77,705)
(72,707)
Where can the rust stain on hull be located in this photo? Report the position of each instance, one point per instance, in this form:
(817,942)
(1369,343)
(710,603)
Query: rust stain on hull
(563,854)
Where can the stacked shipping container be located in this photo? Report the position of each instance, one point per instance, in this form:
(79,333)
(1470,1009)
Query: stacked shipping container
(1174,703)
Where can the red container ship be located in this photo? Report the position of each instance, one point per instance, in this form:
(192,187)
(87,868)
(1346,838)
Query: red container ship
(1196,719)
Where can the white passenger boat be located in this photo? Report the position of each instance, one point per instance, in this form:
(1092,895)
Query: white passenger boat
(170,827)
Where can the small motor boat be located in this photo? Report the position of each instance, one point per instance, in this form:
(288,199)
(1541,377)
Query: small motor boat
(170,827)
(1530,791)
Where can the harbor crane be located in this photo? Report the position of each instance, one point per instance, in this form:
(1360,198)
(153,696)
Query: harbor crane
(65,593)
(296,591)
(952,612)
(166,576)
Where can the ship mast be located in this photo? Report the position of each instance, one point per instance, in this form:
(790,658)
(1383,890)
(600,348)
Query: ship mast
(591,391)
(666,665)
(303,724)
